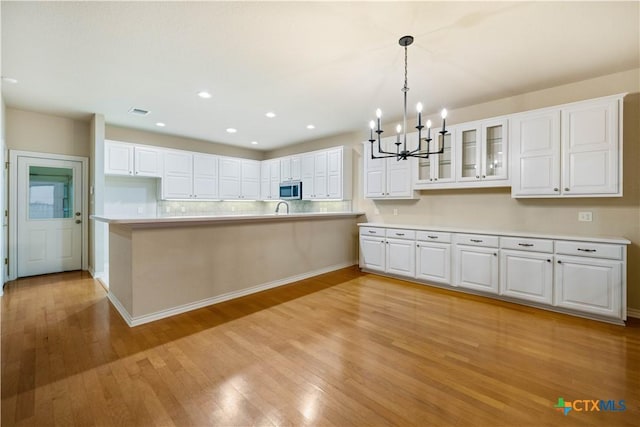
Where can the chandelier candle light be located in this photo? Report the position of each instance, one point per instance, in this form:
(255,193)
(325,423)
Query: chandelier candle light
(405,153)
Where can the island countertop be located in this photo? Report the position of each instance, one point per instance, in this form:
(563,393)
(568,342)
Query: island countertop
(151,221)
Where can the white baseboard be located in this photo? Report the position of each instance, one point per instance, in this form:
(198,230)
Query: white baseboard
(633,312)
(91,272)
(140,320)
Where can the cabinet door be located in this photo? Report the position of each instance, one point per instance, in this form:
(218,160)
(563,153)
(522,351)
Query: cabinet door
(590,148)
(401,256)
(334,174)
(148,161)
(307,176)
(399,177)
(527,275)
(285,168)
(372,253)
(265,182)
(177,179)
(230,178)
(444,170)
(433,262)
(590,285)
(250,179)
(118,158)
(469,137)
(375,177)
(535,163)
(494,150)
(477,268)
(295,168)
(320,184)
(205,176)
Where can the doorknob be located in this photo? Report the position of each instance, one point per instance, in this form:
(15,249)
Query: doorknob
(78,221)
(78,214)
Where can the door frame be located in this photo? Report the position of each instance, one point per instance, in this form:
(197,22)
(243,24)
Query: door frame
(13,204)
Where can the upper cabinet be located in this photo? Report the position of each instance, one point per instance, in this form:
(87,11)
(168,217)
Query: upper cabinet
(438,168)
(122,158)
(270,179)
(239,179)
(189,176)
(326,174)
(290,168)
(569,151)
(388,178)
(482,153)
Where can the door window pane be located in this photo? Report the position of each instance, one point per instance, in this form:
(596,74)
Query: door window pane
(50,192)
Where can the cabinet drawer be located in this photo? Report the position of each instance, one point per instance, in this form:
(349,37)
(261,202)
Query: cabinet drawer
(372,231)
(401,234)
(478,240)
(594,250)
(433,236)
(525,244)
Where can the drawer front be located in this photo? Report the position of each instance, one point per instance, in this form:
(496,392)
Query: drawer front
(433,236)
(372,231)
(525,244)
(478,240)
(594,250)
(395,233)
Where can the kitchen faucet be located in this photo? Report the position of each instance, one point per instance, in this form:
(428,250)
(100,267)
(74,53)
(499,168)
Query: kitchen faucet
(278,206)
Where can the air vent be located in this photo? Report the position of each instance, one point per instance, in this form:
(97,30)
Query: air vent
(139,111)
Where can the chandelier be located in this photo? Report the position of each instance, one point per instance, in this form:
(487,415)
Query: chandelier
(404,153)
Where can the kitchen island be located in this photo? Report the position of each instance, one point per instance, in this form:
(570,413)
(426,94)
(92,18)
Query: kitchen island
(162,266)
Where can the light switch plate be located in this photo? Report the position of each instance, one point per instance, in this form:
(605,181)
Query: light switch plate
(585,216)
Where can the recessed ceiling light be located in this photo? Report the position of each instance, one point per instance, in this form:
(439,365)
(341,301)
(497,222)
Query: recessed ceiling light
(270,114)
(9,80)
(204,94)
(311,127)
(254,142)
(160,124)
(232,130)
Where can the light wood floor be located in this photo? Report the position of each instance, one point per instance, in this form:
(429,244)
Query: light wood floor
(345,348)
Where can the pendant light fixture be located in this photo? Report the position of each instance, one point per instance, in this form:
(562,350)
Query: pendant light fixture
(401,130)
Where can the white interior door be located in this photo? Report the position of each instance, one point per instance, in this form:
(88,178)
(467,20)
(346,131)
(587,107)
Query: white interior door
(49,226)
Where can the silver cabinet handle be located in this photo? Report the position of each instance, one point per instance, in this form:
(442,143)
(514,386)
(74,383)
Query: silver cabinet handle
(586,250)
(476,240)
(372,232)
(432,237)
(526,245)
(399,234)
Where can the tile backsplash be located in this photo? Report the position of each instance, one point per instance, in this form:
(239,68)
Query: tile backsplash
(198,208)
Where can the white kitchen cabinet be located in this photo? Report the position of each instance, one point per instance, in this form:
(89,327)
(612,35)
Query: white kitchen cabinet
(122,158)
(189,175)
(290,168)
(326,174)
(476,268)
(589,285)
(481,150)
(573,150)
(526,275)
(373,249)
(438,168)
(433,261)
(239,179)
(388,178)
(401,256)
(270,179)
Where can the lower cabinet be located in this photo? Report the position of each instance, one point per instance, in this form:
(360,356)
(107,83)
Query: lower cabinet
(527,275)
(477,268)
(589,285)
(581,277)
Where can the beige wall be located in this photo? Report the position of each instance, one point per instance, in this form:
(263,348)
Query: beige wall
(494,209)
(169,141)
(45,133)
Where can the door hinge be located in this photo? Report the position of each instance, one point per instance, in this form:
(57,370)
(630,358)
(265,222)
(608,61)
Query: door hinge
(6,261)
(6,213)
(6,165)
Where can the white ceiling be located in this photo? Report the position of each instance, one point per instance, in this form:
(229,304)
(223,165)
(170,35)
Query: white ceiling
(321,63)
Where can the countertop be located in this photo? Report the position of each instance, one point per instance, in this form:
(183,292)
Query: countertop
(601,239)
(208,219)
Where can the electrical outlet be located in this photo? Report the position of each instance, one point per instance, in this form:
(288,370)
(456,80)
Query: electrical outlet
(585,216)
(183,209)
(140,210)
(395,211)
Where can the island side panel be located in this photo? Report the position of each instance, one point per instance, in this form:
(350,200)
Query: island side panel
(175,266)
(120,266)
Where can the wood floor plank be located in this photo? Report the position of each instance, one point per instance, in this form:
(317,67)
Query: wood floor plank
(343,348)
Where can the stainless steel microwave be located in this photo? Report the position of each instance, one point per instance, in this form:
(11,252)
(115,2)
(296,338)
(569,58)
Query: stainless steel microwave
(290,190)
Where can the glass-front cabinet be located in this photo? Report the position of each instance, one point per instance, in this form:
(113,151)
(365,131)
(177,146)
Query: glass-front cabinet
(438,168)
(482,151)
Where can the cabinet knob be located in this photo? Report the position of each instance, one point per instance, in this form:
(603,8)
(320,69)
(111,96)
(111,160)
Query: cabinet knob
(417,245)
(548,260)
(477,176)
(435,179)
(484,176)
(559,262)
(566,188)
(495,254)
(556,189)
(430,179)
